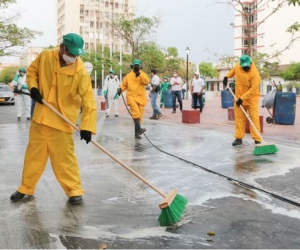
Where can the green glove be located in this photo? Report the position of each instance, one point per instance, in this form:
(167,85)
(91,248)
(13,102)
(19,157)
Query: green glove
(105,93)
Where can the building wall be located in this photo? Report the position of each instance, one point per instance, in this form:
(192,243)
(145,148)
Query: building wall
(271,35)
(29,56)
(90,19)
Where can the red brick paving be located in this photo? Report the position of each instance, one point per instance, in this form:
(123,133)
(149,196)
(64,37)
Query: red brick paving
(216,117)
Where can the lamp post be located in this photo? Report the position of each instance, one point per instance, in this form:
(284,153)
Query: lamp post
(187,51)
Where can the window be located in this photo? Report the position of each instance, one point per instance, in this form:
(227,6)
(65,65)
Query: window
(91,24)
(86,13)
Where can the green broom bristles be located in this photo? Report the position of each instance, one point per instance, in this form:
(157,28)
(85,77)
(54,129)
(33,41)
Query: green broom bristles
(173,213)
(265,149)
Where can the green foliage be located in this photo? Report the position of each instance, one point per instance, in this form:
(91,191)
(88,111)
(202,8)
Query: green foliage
(8,74)
(291,73)
(134,30)
(11,34)
(152,56)
(294,2)
(207,69)
(173,62)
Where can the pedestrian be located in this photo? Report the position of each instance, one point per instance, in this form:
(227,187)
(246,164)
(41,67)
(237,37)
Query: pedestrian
(155,88)
(135,83)
(197,91)
(59,77)
(183,89)
(23,101)
(176,90)
(111,85)
(247,82)
(164,87)
(204,92)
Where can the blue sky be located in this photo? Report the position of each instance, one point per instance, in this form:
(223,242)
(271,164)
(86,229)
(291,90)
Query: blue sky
(199,24)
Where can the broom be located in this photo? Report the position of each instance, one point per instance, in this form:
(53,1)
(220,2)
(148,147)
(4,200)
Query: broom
(263,148)
(172,206)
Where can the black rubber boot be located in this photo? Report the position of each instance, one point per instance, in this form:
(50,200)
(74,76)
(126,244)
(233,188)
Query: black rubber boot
(257,142)
(75,200)
(139,130)
(237,142)
(17,196)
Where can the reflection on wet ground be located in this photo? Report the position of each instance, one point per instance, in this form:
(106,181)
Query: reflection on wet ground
(121,211)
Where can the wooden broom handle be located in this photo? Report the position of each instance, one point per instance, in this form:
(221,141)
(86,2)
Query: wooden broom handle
(105,151)
(252,124)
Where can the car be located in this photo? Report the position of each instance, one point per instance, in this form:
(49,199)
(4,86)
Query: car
(6,95)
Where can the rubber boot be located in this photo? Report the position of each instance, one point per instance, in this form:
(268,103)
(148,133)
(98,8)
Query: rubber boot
(136,134)
(139,130)
(237,142)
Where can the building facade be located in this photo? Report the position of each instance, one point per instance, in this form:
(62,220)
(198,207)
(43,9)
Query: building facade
(265,32)
(91,19)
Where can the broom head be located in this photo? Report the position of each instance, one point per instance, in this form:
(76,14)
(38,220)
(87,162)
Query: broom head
(265,149)
(172,208)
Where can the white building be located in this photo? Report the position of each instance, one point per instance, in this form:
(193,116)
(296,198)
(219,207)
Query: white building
(29,56)
(91,19)
(268,34)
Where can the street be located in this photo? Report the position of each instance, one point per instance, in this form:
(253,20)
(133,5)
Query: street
(121,211)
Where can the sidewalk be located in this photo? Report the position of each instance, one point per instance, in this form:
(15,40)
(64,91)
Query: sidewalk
(214,117)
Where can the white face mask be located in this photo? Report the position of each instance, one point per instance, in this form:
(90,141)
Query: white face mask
(175,75)
(69,59)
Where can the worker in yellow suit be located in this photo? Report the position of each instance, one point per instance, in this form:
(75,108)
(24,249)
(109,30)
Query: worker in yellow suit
(247,93)
(59,77)
(135,83)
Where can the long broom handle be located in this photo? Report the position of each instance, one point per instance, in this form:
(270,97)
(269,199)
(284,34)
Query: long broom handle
(105,150)
(246,114)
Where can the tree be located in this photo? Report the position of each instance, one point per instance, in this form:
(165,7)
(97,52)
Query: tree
(134,30)
(11,34)
(151,56)
(291,73)
(207,69)
(249,10)
(8,74)
(172,61)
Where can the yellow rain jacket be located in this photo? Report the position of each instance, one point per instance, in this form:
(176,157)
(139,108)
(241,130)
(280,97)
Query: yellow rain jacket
(246,84)
(135,87)
(65,88)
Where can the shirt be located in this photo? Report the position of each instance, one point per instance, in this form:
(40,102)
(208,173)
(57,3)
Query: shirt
(154,83)
(175,87)
(197,84)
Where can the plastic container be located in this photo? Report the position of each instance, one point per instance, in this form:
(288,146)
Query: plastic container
(168,100)
(99,92)
(226,99)
(285,108)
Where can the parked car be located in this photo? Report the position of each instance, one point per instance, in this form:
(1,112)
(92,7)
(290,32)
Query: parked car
(6,95)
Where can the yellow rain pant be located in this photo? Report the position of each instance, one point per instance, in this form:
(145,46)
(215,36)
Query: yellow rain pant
(240,121)
(45,141)
(137,110)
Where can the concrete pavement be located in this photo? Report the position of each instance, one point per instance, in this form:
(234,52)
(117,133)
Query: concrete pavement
(121,211)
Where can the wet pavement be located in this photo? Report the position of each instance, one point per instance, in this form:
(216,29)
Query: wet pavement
(121,211)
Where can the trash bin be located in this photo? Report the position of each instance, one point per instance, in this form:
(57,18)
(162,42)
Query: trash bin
(226,99)
(285,108)
(99,92)
(168,100)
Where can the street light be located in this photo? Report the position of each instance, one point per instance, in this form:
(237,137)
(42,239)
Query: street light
(187,51)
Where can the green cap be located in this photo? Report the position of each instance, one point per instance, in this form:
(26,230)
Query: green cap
(74,44)
(111,71)
(245,60)
(166,77)
(137,62)
(22,70)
